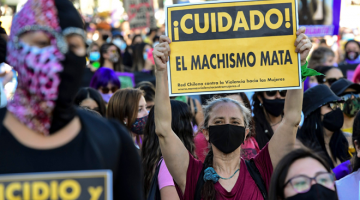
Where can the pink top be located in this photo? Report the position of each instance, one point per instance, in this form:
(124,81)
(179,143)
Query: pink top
(250,148)
(164,177)
(244,188)
(201,146)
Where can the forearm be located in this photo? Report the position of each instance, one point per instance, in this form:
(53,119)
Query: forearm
(283,140)
(293,107)
(162,105)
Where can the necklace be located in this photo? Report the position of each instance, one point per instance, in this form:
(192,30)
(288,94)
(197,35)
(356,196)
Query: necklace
(211,175)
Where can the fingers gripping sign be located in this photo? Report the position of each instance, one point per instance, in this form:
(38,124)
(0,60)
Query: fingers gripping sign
(161,53)
(303,44)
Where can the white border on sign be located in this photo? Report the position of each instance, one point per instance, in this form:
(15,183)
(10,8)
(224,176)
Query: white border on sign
(227,91)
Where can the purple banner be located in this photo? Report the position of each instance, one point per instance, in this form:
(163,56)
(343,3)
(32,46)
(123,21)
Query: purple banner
(320,17)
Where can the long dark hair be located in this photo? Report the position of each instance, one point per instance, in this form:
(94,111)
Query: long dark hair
(90,93)
(208,190)
(311,135)
(118,67)
(133,40)
(138,57)
(151,152)
(356,136)
(263,130)
(276,190)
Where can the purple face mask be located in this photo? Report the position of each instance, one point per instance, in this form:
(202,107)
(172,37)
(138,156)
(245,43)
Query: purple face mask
(139,125)
(106,97)
(313,84)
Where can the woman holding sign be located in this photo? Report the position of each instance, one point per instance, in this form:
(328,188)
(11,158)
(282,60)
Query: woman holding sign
(41,131)
(224,175)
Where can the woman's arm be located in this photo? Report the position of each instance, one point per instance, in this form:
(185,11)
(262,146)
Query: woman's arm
(169,192)
(173,150)
(284,137)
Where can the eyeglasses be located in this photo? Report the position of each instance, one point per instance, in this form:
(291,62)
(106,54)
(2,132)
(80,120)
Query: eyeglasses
(106,90)
(347,96)
(302,183)
(336,105)
(273,93)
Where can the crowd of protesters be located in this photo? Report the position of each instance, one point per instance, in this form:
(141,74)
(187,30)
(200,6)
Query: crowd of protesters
(82,104)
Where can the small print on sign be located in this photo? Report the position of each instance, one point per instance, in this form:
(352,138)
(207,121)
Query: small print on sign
(221,47)
(80,185)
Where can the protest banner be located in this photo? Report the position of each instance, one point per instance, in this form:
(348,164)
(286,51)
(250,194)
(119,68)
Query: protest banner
(141,14)
(223,47)
(320,17)
(80,185)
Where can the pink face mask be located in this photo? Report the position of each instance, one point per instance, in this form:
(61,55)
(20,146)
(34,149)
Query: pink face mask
(38,70)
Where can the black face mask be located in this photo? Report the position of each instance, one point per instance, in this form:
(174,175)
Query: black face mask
(316,192)
(227,138)
(334,120)
(274,107)
(70,77)
(105,37)
(351,55)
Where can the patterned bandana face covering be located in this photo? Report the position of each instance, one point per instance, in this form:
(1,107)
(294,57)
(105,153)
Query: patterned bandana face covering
(139,125)
(35,97)
(38,68)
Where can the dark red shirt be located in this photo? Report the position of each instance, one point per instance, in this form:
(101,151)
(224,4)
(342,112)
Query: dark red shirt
(245,187)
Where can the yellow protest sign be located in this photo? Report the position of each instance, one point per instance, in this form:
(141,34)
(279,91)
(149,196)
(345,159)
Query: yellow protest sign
(80,185)
(220,47)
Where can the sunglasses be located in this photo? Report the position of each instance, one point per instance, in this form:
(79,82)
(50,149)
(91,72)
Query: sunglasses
(273,93)
(330,81)
(106,90)
(302,183)
(347,96)
(336,105)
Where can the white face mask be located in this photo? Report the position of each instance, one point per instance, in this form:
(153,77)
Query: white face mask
(120,44)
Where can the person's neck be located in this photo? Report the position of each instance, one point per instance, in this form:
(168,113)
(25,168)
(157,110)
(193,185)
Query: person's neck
(226,164)
(108,64)
(327,136)
(35,140)
(348,122)
(272,119)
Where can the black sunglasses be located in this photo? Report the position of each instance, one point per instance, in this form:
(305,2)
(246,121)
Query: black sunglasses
(273,93)
(106,90)
(330,81)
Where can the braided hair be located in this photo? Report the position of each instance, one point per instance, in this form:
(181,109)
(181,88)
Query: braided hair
(208,190)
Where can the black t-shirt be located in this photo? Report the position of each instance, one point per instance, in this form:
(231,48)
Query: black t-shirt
(78,154)
(86,78)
